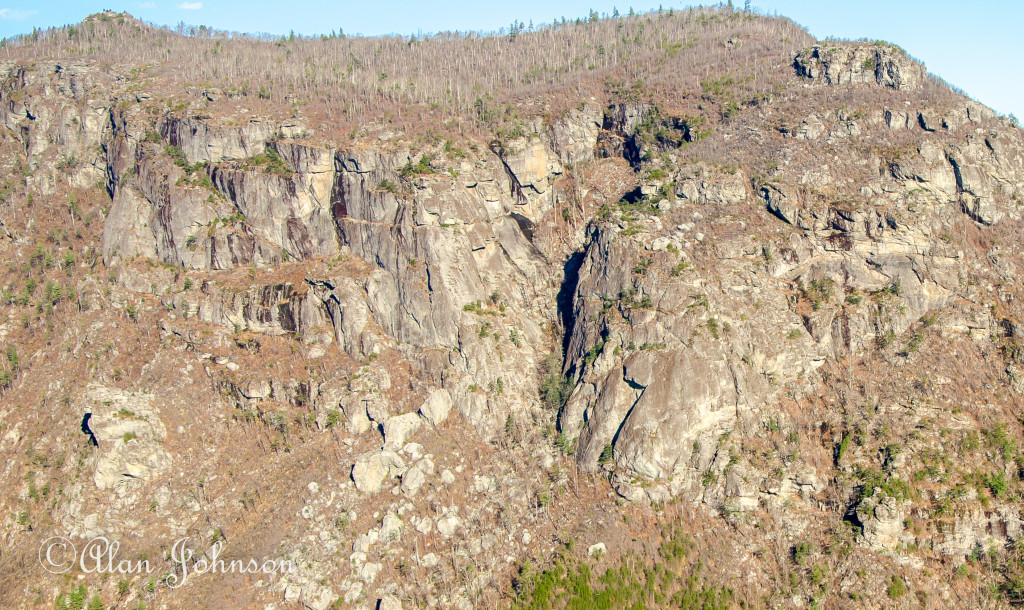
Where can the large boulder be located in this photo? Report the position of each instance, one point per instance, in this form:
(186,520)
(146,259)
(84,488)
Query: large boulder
(398,429)
(372,469)
(437,407)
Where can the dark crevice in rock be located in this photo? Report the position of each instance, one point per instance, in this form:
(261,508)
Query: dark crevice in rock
(632,153)
(287,320)
(851,515)
(567,297)
(87,430)
(633,383)
(525,225)
(339,206)
(633,197)
(639,394)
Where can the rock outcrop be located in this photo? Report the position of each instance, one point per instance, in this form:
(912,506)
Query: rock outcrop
(129,436)
(850,64)
(371,470)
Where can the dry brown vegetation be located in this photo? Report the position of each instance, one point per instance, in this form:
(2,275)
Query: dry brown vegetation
(654,55)
(66,319)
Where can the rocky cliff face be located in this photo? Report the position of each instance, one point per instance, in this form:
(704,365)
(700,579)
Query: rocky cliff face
(369,356)
(881,64)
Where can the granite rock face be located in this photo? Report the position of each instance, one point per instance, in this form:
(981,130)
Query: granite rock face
(662,364)
(129,436)
(371,470)
(588,291)
(845,64)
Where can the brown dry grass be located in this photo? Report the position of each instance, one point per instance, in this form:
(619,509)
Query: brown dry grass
(469,80)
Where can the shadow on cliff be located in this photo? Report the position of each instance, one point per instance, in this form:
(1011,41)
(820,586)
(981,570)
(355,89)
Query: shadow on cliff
(566,298)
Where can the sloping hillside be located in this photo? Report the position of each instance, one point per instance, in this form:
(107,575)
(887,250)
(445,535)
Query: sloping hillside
(659,310)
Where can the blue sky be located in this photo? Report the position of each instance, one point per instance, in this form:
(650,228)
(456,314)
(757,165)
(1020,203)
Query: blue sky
(973,45)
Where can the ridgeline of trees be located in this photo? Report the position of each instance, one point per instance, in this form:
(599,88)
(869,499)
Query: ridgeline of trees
(659,54)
